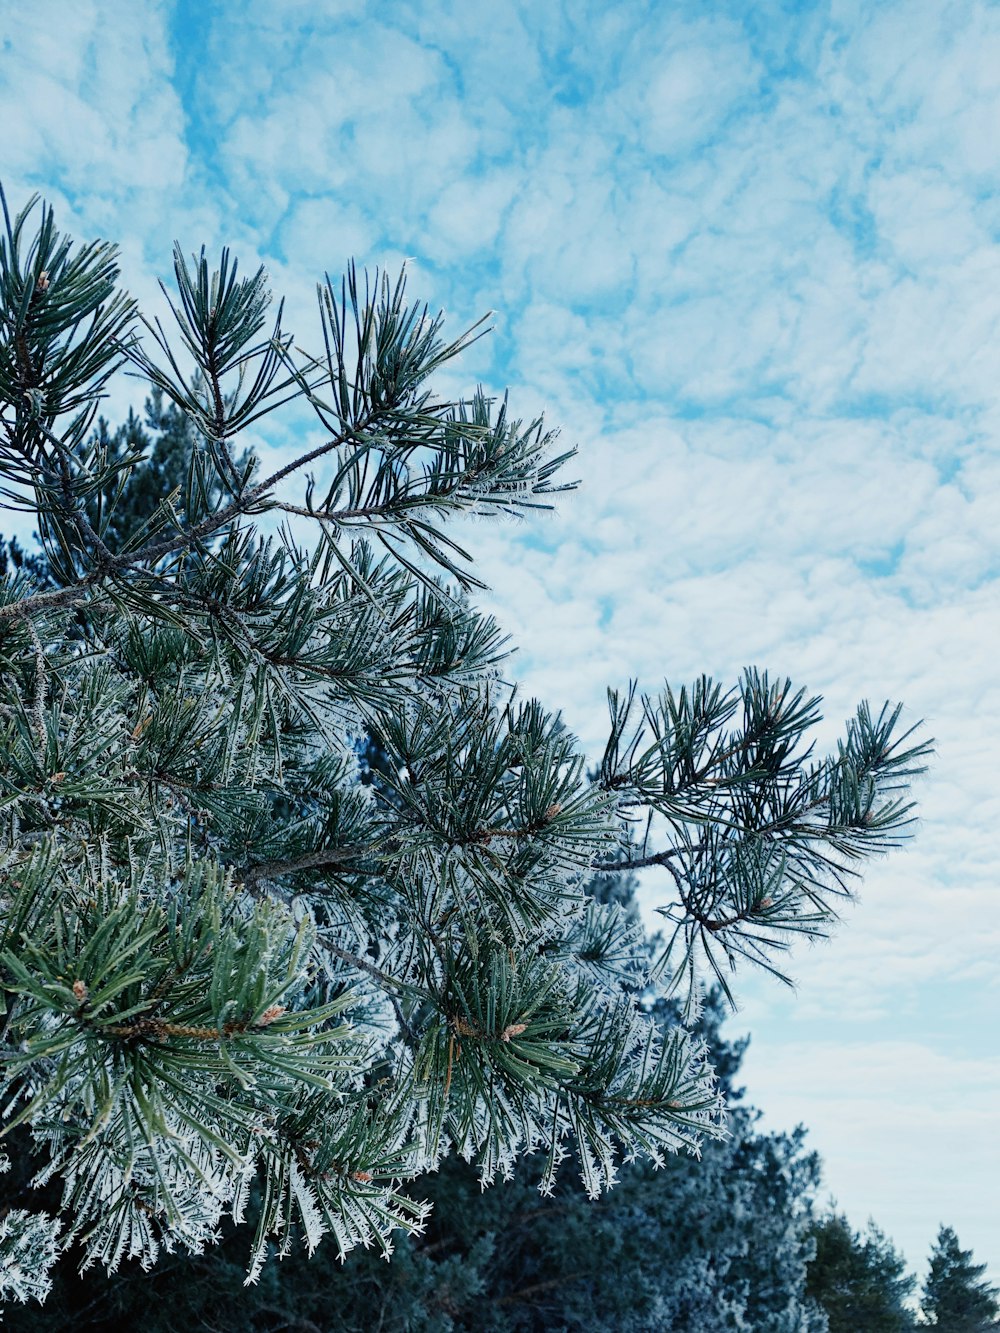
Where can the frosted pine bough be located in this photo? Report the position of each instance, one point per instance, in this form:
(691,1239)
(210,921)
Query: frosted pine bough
(230,970)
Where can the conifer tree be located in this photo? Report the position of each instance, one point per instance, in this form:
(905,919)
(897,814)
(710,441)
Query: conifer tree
(859,1281)
(225,963)
(164,442)
(699,1246)
(161,452)
(13,557)
(955,1296)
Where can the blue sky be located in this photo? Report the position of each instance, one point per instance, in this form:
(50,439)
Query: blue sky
(748,257)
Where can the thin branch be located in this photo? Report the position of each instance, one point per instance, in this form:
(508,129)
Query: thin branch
(388,984)
(41,685)
(534,1288)
(641,862)
(355,960)
(155,551)
(311,860)
(317,860)
(220,418)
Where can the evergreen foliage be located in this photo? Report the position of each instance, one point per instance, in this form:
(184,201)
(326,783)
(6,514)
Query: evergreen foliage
(955,1295)
(231,971)
(13,558)
(161,452)
(149,462)
(859,1281)
(698,1247)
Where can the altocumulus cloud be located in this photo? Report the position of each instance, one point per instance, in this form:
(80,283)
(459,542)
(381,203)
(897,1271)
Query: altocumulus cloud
(747,256)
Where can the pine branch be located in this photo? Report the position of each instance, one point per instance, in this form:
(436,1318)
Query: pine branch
(230,952)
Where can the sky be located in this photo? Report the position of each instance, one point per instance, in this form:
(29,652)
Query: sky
(747,257)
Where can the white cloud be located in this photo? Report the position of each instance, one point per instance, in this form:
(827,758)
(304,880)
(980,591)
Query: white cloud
(895,1123)
(88,88)
(323,235)
(692,84)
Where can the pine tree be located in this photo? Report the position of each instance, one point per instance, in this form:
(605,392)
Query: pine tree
(699,1246)
(228,965)
(859,1281)
(955,1295)
(149,462)
(159,465)
(13,557)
